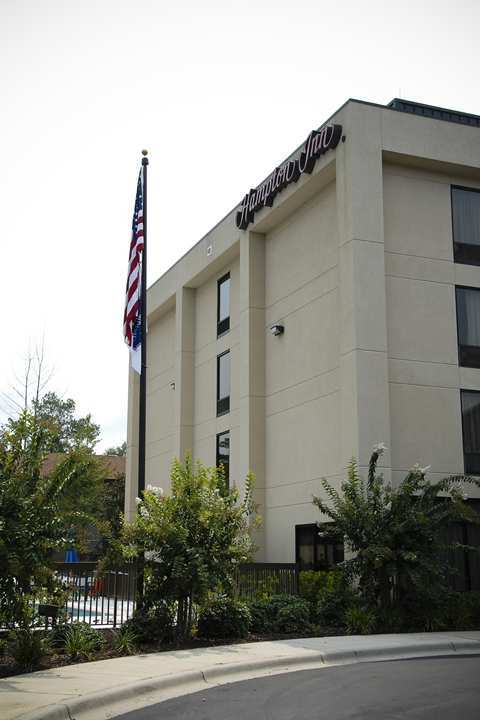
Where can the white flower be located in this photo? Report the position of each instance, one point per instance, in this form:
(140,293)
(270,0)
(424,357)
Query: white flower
(144,512)
(422,471)
(138,500)
(158,491)
(464,496)
(379,448)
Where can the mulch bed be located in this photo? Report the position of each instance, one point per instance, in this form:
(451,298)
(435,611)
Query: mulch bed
(8,667)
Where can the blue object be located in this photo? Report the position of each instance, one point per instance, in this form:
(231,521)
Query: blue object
(71,556)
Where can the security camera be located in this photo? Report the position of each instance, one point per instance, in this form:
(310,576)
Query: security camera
(277,329)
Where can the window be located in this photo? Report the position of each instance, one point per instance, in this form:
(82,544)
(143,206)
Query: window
(464,564)
(223,305)
(466,225)
(223,453)
(223,383)
(471,430)
(314,551)
(468,326)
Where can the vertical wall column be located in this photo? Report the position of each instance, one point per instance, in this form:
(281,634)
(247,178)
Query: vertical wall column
(184,371)
(131,470)
(363,348)
(252,372)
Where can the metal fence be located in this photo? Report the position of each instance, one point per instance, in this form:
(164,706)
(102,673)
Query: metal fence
(276,578)
(106,598)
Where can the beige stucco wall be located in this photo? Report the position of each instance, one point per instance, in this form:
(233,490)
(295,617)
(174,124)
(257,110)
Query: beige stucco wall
(301,386)
(207,347)
(160,400)
(424,376)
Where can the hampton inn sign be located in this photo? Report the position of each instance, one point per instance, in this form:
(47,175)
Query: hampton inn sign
(317,143)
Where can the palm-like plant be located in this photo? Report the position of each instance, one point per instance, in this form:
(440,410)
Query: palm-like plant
(395,535)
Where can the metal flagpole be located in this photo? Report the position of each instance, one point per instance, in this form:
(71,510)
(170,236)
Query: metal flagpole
(143,306)
(143,374)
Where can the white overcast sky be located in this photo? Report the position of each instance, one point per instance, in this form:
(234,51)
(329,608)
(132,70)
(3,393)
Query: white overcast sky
(219,92)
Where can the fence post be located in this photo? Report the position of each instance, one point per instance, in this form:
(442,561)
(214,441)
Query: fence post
(115,599)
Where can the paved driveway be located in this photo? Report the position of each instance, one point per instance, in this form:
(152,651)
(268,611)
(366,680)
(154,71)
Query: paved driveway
(431,688)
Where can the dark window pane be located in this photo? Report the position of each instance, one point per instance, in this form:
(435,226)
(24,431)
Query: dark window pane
(468,322)
(305,549)
(223,305)
(466,225)
(471,430)
(223,453)
(473,539)
(223,383)
(315,551)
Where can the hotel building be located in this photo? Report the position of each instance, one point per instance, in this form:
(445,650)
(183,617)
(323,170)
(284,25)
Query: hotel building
(336,307)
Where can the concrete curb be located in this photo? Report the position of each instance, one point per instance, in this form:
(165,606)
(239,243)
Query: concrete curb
(140,693)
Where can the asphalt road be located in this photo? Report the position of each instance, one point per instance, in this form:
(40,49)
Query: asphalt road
(427,688)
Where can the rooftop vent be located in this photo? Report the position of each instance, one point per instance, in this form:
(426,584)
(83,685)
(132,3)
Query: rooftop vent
(436,113)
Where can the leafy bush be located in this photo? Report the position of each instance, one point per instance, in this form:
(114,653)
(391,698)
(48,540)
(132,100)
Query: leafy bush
(395,533)
(224,617)
(328,593)
(28,646)
(279,614)
(293,616)
(462,611)
(82,641)
(125,641)
(359,621)
(154,623)
(194,537)
(310,583)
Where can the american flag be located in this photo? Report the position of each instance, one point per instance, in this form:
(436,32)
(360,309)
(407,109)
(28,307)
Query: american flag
(132,319)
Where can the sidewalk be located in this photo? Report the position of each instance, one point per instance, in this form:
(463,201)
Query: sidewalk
(107,688)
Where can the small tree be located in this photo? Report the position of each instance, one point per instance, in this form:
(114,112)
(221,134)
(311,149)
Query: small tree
(194,538)
(32,524)
(395,535)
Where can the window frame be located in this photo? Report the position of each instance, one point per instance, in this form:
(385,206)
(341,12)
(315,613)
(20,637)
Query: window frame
(223,326)
(218,460)
(223,404)
(460,253)
(467,466)
(468,355)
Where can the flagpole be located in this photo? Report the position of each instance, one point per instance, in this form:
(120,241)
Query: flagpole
(143,374)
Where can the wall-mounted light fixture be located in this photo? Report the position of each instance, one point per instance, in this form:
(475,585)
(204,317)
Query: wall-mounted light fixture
(277,329)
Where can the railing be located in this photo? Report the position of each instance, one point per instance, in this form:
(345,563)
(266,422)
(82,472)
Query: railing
(98,599)
(108,598)
(276,578)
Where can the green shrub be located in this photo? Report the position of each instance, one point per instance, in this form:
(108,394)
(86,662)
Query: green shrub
(263,616)
(359,621)
(293,616)
(81,641)
(125,641)
(328,593)
(462,611)
(334,597)
(311,582)
(280,614)
(28,646)
(224,617)
(153,624)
